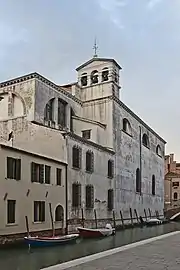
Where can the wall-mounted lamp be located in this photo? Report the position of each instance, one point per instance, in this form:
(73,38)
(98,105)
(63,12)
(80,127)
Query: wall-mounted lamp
(27,193)
(46,194)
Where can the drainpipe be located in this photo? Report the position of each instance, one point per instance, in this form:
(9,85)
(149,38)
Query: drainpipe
(66,200)
(140,157)
(64,134)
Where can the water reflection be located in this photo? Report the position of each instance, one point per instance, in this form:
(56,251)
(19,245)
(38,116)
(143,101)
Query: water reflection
(20,259)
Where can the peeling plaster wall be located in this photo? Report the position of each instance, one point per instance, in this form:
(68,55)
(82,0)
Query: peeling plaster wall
(24,93)
(101,111)
(98,179)
(128,160)
(43,94)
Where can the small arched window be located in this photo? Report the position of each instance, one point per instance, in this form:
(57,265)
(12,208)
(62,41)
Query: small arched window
(145,140)
(71,119)
(59,213)
(105,74)
(175,196)
(62,113)
(89,161)
(84,79)
(153,185)
(127,126)
(158,150)
(110,168)
(49,110)
(110,202)
(94,77)
(138,180)
(76,195)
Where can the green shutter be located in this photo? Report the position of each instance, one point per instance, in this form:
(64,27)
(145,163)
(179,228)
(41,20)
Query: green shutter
(9,168)
(41,173)
(18,169)
(33,172)
(47,174)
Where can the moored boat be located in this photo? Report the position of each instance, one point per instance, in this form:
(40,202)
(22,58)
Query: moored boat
(37,241)
(153,222)
(96,233)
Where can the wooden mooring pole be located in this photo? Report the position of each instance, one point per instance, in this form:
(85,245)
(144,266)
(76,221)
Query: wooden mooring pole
(145,215)
(149,212)
(95,216)
(114,219)
(135,212)
(82,216)
(27,226)
(52,222)
(122,220)
(131,217)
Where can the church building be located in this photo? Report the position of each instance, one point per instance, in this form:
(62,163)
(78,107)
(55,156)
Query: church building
(77,147)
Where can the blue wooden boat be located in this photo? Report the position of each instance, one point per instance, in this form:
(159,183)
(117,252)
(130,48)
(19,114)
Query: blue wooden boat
(37,241)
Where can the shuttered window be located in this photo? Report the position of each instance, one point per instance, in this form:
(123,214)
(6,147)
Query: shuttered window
(76,195)
(153,185)
(89,161)
(110,168)
(110,199)
(89,196)
(11,211)
(76,157)
(47,174)
(13,168)
(39,211)
(38,175)
(138,181)
(58,176)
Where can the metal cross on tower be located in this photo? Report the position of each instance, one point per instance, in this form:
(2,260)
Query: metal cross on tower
(95,47)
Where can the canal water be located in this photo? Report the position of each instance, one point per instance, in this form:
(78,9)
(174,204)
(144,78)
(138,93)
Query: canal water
(23,259)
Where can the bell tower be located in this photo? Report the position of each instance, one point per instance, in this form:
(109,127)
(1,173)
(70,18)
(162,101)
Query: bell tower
(99,77)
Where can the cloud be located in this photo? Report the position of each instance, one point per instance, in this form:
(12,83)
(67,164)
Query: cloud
(111,9)
(152,3)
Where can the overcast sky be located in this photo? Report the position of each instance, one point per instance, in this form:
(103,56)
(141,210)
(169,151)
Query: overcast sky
(53,37)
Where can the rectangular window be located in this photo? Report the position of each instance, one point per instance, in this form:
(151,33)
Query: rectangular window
(58,176)
(37,172)
(13,168)
(86,134)
(62,113)
(89,197)
(47,174)
(110,168)
(39,211)
(11,211)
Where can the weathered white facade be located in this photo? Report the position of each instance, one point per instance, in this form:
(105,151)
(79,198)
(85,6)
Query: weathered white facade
(21,197)
(115,161)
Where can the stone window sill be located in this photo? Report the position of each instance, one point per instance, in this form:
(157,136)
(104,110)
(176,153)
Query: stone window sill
(11,224)
(38,222)
(127,133)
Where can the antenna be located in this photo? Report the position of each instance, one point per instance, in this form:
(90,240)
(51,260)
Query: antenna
(95,47)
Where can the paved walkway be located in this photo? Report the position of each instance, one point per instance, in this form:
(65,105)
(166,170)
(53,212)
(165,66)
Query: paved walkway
(158,253)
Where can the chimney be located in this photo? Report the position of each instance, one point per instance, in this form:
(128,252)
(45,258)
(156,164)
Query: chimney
(171,158)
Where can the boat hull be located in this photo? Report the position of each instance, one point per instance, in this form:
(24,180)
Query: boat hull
(50,241)
(94,233)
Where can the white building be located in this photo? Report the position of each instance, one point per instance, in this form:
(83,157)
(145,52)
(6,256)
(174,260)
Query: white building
(115,160)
